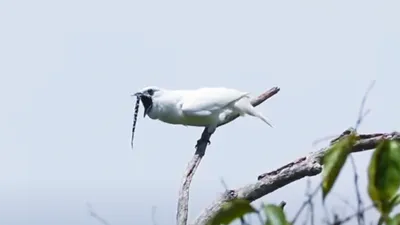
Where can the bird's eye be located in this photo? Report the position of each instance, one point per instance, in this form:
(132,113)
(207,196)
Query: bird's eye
(150,91)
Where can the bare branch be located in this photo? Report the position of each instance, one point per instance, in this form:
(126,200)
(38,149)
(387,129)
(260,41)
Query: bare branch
(96,216)
(182,210)
(153,215)
(350,217)
(360,205)
(308,201)
(361,115)
(345,201)
(310,165)
(260,219)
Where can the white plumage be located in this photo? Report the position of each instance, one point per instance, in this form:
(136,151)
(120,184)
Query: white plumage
(205,107)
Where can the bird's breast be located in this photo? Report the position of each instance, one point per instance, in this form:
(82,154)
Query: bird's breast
(176,116)
(168,111)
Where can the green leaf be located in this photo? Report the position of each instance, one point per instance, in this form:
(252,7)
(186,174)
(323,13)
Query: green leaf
(275,215)
(395,220)
(396,200)
(333,161)
(384,175)
(232,210)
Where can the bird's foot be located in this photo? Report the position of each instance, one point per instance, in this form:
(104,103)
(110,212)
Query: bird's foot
(202,140)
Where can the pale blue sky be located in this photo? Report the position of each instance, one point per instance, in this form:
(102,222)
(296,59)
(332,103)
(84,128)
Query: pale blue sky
(68,69)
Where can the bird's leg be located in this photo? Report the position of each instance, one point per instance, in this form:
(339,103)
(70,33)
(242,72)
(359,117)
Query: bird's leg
(205,136)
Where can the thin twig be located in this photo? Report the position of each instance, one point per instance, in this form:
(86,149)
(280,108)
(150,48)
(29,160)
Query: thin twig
(350,217)
(249,219)
(361,116)
(305,203)
(361,113)
(307,217)
(310,210)
(153,215)
(262,206)
(243,221)
(224,184)
(360,205)
(310,202)
(345,201)
(327,215)
(95,215)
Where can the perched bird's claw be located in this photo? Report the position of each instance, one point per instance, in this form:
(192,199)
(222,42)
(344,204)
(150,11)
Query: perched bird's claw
(200,141)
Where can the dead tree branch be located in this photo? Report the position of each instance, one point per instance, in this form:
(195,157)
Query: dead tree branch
(96,216)
(182,211)
(310,165)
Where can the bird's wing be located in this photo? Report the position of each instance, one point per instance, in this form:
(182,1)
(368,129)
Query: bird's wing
(204,101)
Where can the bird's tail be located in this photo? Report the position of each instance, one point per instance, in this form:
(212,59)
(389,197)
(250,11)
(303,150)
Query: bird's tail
(243,106)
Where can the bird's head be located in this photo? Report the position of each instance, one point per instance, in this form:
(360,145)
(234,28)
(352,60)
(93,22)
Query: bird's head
(146,96)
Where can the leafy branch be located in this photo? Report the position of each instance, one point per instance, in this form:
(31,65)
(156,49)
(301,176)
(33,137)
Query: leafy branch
(310,165)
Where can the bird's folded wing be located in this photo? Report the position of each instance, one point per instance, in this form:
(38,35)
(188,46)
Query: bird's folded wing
(205,101)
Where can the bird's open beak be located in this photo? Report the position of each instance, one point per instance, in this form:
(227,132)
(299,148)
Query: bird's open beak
(146,110)
(146,101)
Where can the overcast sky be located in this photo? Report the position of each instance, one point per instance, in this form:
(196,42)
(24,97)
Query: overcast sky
(68,69)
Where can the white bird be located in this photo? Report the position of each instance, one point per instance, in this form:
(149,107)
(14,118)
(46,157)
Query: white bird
(202,107)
